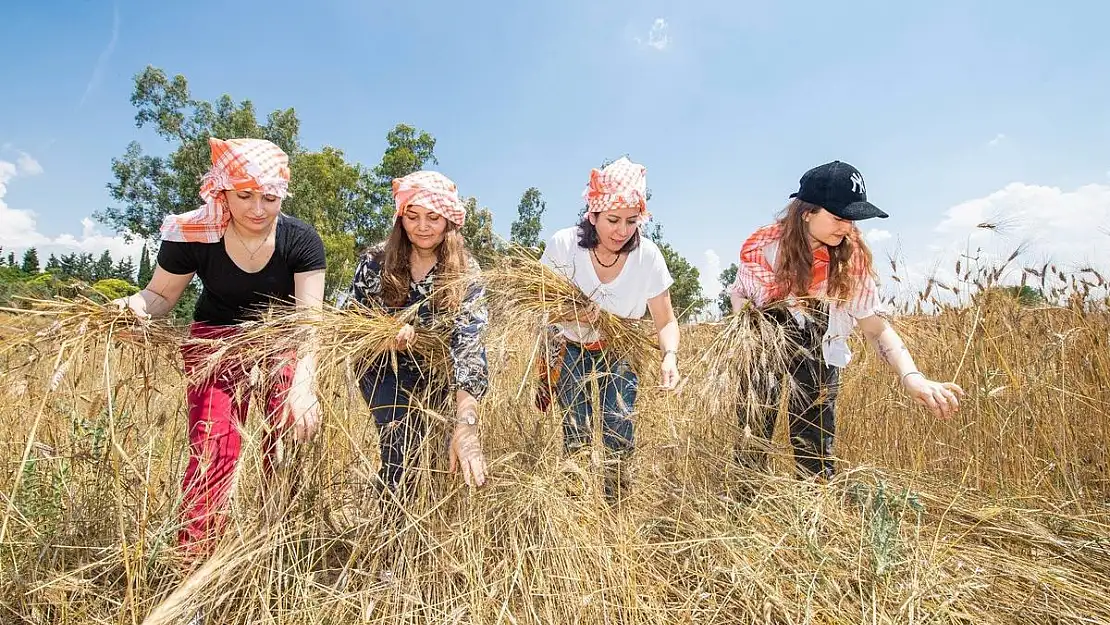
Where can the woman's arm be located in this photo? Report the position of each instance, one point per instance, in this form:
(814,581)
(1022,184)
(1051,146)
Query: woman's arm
(666,325)
(308,294)
(160,295)
(941,398)
(471,372)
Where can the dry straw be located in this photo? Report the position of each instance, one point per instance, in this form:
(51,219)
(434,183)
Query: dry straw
(525,293)
(345,343)
(997,516)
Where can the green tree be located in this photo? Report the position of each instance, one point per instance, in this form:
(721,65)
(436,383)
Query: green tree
(102,269)
(686,295)
(328,192)
(341,200)
(408,149)
(146,270)
(724,302)
(525,231)
(86,268)
(30,261)
(53,266)
(69,265)
(481,240)
(11,259)
(1024,295)
(125,270)
(114,288)
(183,310)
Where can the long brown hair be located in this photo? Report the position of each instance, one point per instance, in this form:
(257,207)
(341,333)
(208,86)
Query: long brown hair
(849,263)
(452,261)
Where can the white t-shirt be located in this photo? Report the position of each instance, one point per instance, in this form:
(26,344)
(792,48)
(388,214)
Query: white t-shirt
(643,276)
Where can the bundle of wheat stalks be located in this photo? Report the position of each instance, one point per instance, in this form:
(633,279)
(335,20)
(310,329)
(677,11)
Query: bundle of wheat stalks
(525,293)
(68,332)
(344,343)
(81,321)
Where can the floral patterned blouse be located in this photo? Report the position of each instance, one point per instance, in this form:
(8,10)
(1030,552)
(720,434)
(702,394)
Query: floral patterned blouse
(468,352)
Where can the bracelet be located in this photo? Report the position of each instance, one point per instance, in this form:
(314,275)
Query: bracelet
(671,351)
(909,373)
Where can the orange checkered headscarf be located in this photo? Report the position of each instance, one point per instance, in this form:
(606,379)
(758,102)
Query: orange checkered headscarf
(431,190)
(756,279)
(237,165)
(621,184)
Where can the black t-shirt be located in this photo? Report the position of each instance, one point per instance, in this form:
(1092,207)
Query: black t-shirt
(231,295)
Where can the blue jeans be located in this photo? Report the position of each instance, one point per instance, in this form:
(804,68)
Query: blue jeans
(617,384)
(394,398)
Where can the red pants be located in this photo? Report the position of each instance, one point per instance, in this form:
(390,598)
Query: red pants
(217,408)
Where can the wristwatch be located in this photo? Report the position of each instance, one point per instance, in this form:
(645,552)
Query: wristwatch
(671,351)
(468,419)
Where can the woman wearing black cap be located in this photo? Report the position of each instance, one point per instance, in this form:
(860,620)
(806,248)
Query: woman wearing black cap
(814,260)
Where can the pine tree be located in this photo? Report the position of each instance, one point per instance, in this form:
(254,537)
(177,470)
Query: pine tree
(86,267)
(145,268)
(103,268)
(125,270)
(69,265)
(30,261)
(53,265)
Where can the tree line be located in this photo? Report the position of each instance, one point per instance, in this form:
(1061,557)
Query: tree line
(349,204)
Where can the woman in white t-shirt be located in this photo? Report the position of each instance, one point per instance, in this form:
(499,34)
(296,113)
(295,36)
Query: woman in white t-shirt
(622,273)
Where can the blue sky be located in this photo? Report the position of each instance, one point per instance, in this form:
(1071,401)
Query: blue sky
(954,111)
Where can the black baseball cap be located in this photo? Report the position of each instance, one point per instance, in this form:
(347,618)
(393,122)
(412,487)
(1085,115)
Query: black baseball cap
(838,188)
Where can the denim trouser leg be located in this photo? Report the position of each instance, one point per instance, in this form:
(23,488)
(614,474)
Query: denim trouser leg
(401,427)
(618,386)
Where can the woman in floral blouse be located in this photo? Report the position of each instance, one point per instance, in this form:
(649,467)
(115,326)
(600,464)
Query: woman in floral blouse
(422,263)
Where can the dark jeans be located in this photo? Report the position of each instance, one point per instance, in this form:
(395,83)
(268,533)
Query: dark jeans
(618,388)
(396,400)
(811,405)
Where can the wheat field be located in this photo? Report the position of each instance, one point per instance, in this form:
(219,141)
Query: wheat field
(999,515)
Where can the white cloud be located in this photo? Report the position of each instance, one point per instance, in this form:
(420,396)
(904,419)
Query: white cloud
(1040,224)
(105,56)
(657,36)
(27,165)
(998,138)
(708,273)
(19,227)
(1051,221)
(876,235)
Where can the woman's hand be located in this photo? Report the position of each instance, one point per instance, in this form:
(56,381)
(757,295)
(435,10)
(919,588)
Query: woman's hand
(940,397)
(304,405)
(404,337)
(305,409)
(135,303)
(465,452)
(593,312)
(669,376)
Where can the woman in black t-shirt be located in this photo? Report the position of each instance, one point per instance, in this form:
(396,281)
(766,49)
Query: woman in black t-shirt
(247,255)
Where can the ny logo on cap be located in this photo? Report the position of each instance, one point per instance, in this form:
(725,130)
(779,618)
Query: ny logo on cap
(857,183)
